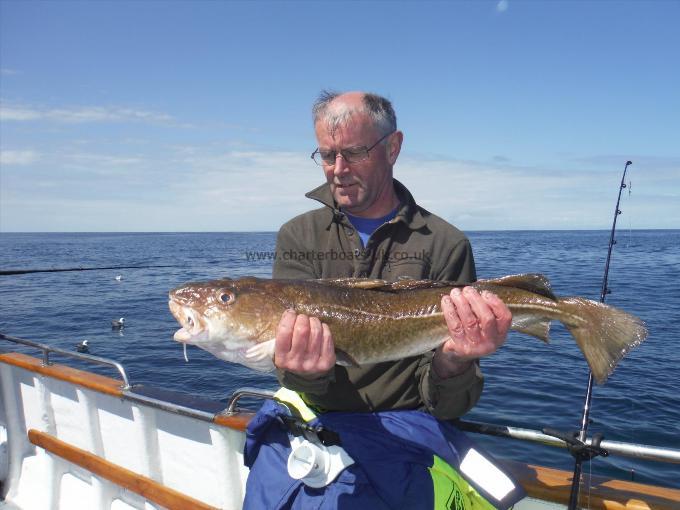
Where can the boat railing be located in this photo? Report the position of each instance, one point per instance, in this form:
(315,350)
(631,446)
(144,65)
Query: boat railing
(47,349)
(639,451)
(246,392)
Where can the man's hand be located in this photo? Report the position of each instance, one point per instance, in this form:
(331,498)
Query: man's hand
(478,325)
(304,346)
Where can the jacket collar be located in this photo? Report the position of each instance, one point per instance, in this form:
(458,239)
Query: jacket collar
(408,212)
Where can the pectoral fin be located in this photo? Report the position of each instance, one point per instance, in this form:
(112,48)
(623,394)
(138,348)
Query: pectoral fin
(261,351)
(345,360)
(536,326)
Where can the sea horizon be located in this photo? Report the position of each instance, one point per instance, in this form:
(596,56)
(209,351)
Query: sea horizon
(619,229)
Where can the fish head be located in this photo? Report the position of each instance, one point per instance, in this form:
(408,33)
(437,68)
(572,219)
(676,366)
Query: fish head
(234,319)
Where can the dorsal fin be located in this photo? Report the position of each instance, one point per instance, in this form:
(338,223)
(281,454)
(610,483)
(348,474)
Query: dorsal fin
(403,285)
(382,285)
(532,282)
(354,283)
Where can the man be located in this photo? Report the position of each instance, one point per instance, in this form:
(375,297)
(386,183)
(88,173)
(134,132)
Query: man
(370,226)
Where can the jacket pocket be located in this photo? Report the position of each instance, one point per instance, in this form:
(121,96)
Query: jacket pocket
(412,267)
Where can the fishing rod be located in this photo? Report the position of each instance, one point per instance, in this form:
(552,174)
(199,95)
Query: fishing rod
(578,447)
(8,272)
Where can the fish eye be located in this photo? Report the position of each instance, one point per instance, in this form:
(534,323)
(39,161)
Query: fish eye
(226,298)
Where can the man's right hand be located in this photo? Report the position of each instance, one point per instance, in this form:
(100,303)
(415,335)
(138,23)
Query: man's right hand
(304,346)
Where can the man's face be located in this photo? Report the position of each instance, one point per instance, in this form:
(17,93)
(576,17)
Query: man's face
(359,188)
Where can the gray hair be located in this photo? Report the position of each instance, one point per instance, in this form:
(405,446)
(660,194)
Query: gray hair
(377,107)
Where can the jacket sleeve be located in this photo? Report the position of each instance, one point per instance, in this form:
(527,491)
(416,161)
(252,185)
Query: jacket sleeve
(450,398)
(290,262)
(454,396)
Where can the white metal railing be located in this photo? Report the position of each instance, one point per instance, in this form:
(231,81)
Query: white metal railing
(47,349)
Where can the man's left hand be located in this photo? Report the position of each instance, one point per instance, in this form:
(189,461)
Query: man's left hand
(478,325)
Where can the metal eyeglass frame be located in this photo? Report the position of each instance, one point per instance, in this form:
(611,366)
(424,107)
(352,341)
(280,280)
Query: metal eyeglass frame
(342,152)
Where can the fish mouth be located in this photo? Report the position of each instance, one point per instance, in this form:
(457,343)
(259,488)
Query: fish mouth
(192,330)
(185,336)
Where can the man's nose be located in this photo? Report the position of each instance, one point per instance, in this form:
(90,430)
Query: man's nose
(341,165)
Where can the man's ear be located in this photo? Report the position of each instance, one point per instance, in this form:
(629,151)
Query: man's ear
(394,146)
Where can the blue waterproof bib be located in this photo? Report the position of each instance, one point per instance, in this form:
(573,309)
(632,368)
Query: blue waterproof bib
(403,460)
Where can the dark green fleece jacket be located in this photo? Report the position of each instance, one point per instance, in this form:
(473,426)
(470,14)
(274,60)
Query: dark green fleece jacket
(415,244)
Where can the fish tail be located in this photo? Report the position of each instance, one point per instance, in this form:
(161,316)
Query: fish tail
(603,333)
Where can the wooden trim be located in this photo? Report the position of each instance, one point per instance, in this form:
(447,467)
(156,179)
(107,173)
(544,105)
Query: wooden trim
(101,383)
(89,380)
(139,484)
(235,421)
(597,492)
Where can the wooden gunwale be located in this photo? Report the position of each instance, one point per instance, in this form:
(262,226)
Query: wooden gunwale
(95,382)
(102,384)
(238,421)
(539,482)
(551,484)
(134,482)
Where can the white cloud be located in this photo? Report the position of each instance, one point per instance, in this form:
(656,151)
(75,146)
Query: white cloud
(11,157)
(12,113)
(91,160)
(201,188)
(640,162)
(498,196)
(502,6)
(82,114)
(251,184)
(8,72)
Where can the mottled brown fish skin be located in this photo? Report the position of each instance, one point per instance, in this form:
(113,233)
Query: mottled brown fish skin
(373,321)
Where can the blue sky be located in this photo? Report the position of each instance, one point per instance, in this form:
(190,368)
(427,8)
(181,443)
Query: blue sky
(194,116)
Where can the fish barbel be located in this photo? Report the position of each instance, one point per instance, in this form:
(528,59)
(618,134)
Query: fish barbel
(373,321)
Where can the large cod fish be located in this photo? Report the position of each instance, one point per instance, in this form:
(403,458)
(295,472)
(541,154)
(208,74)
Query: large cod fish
(373,320)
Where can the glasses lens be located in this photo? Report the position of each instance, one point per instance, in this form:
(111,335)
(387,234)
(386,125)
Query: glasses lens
(350,155)
(355,154)
(327,157)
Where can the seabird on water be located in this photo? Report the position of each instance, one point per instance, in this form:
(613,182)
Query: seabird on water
(83,346)
(118,323)
(119,277)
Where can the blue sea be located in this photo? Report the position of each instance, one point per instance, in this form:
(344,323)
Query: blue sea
(528,384)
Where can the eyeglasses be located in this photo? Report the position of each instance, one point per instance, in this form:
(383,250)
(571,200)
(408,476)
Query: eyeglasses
(350,154)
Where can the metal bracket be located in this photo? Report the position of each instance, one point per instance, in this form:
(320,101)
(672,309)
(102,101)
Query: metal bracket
(317,434)
(245,392)
(580,450)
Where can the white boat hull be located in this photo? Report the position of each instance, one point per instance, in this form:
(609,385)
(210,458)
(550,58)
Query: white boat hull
(72,440)
(193,456)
